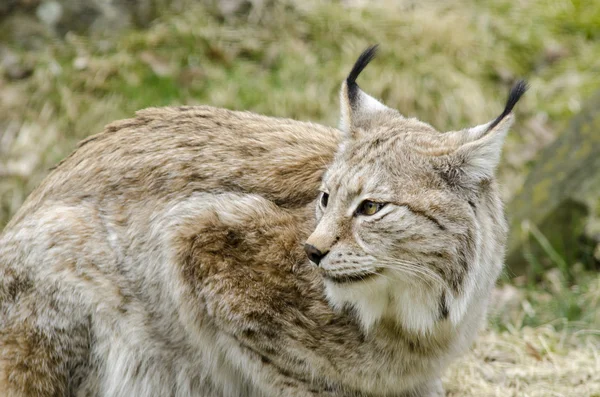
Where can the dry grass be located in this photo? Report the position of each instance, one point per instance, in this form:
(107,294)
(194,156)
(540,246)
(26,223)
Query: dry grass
(531,362)
(449,63)
(542,342)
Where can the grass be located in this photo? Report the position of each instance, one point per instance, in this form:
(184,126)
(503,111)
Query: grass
(448,63)
(565,305)
(533,362)
(542,340)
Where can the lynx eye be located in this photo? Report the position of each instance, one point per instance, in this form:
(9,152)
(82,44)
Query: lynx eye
(369,208)
(324,199)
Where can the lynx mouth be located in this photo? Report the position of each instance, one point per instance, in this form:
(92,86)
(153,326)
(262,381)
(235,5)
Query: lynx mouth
(352,277)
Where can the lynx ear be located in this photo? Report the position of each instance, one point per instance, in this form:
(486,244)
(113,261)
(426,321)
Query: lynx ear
(357,107)
(480,147)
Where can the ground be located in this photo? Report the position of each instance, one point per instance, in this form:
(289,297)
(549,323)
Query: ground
(529,362)
(448,63)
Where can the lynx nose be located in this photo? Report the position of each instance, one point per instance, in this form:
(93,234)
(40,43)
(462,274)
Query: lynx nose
(314,254)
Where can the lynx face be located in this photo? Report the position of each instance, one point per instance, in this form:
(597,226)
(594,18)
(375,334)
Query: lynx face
(409,219)
(395,226)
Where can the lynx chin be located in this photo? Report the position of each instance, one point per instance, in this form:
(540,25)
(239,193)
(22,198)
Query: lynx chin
(196,251)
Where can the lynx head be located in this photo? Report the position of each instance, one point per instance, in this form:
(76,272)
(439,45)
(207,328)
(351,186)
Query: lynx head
(410,223)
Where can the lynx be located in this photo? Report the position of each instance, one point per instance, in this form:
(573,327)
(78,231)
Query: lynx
(196,251)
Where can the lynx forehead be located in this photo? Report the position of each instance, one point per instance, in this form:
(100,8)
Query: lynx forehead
(164,257)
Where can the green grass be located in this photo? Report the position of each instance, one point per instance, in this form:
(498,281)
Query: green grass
(563,304)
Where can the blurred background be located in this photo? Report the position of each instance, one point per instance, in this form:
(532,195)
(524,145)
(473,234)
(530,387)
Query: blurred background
(68,67)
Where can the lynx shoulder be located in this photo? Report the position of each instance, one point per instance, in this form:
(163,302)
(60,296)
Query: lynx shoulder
(196,251)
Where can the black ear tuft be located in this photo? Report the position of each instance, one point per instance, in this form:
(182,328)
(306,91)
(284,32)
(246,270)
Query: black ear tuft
(362,61)
(516,93)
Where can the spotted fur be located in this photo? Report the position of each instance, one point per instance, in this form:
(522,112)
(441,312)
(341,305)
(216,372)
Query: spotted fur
(165,257)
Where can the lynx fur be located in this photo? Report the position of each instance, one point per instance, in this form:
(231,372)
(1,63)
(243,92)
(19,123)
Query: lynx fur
(166,256)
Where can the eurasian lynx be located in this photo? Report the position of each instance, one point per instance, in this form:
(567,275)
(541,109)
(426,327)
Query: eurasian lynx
(166,256)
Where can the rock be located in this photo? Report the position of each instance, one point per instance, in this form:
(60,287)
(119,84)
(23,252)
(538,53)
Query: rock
(548,216)
(50,13)
(230,8)
(81,63)
(8,7)
(159,65)
(82,17)
(106,17)
(18,72)
(91,17)
(13,67)
(25,31)
(554,52)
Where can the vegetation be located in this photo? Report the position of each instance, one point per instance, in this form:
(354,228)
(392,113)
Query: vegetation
(448,63)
